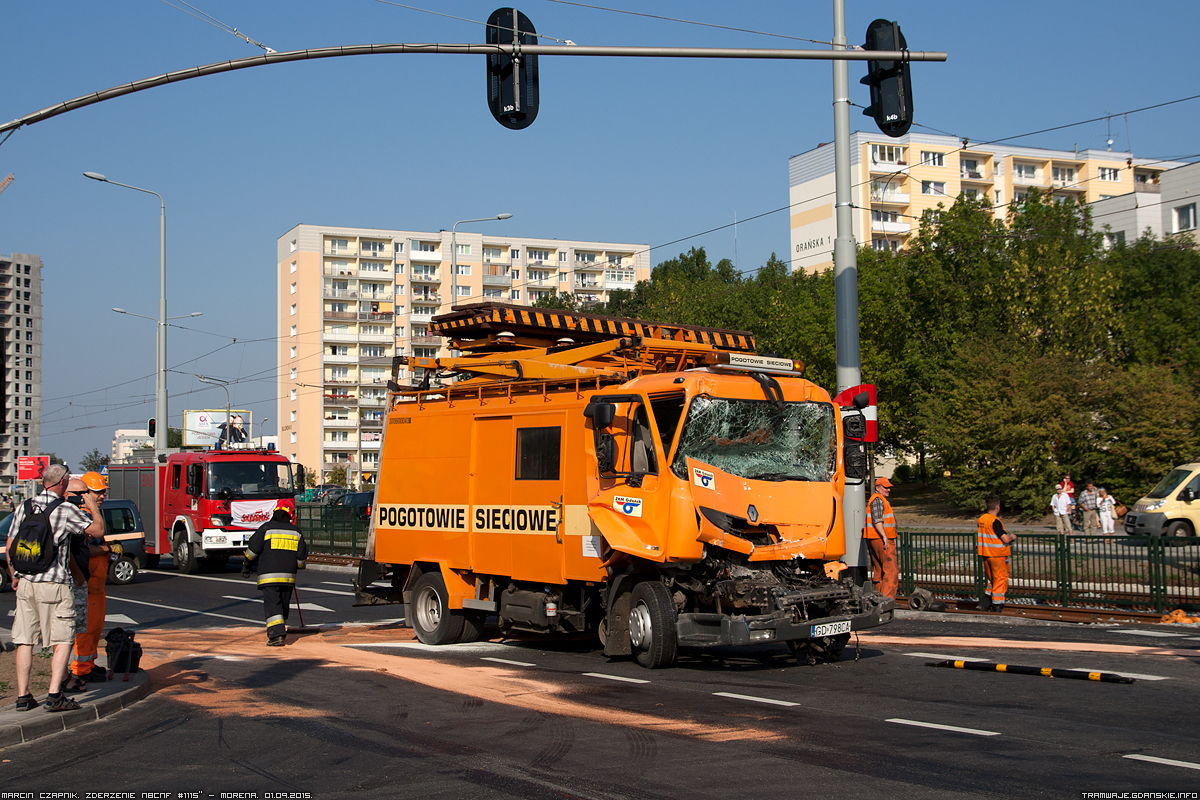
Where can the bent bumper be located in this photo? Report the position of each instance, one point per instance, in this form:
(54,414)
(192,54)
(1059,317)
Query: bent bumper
(717,630)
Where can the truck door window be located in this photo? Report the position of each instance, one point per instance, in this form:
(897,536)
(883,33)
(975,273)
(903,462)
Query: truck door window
(668,411)
(538,453)
(176,469)
(631,439)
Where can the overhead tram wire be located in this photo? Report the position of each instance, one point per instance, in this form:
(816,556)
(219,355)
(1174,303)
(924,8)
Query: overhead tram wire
(216,23)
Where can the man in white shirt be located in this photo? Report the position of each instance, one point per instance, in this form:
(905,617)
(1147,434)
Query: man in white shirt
(1061,504)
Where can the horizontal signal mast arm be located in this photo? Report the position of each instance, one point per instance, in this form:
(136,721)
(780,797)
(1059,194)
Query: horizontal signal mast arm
(464,49)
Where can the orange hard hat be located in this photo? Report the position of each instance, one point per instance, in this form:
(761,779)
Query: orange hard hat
(95,481)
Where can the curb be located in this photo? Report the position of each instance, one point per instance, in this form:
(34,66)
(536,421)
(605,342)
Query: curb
(47,724)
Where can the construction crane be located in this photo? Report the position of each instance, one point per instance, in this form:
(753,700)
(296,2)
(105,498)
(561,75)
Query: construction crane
(4,183)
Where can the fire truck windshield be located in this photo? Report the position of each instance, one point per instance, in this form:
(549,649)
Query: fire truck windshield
(250,480)
(757,439)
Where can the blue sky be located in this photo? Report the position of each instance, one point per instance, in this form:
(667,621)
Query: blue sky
(632,150)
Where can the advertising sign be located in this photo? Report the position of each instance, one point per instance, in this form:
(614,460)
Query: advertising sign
(31,468)
(206,427)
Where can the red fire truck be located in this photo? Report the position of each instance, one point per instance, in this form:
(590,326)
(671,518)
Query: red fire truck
(212,501)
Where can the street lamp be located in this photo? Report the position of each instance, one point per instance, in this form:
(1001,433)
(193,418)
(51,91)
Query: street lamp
(262,431)
(160,383)
(228,414)
(454,253)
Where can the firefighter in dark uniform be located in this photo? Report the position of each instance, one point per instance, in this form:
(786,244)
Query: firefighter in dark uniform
(276,550)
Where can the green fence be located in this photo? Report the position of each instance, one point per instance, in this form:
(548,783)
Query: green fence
(1109,571)
(332,529)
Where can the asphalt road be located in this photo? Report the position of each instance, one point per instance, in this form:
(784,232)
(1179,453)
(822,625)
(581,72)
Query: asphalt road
(364,711)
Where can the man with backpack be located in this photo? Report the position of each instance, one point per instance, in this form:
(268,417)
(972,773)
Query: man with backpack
(43,574)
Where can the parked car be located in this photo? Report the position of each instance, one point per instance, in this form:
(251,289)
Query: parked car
(1171,509)
(124,532)
(355,505)
(328,493)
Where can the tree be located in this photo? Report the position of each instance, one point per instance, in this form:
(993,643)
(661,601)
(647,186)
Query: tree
(174,437)
(563,301)
(337,476)
(94,461)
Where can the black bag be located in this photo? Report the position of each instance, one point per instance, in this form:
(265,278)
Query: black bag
(124,654)
(34,550)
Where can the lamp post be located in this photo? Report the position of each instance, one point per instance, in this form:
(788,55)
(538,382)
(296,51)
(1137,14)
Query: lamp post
(454,252)
(228,414)
(160,411)
(262,431)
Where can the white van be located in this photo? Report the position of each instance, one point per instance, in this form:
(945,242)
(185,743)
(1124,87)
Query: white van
(1171,509)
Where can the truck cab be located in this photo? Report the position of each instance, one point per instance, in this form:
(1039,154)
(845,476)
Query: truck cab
(1172,509)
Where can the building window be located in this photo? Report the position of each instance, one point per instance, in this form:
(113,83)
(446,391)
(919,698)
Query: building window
(293,330)
(515,274)
(931,159)
(1114,239)
(293,351)
(496,294)
(293,266)
(292,395)
(339,373)
(933,187)
(293,416)
(339,436)
(399,247)
(999,197)
(490,253)
(1110,174)
(425,352)
(1025,172)
(339,246)
(28,338)
(374,351)
(292,435)
(538,453)
(1064,174)
(293,289)
(539,255)
(887,154)
(462,269)
(424,247)
(885,216)
(293,245)
(293,311)
(1185,218)
(515,294)
(464,250)
(562,256)
(462,291)
(293,375)
(28,415)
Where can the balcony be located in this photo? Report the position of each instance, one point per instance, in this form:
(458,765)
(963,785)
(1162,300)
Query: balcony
(373,402)
(895,198)
(890,227)
(371,444)
(435,341)
(369,380)
(339,398)
(350,315)
(1070,184)
(340,359)
(348,465)
(427,297)
(890,166)
(341,252)
(376,316)
(424,255)
(582,283)
(1024,179)
(420,314)
(429,276)
(349,336)
(972,175)
(348,294)
(371,423)
(339,423)
(348,271)
(374,337)
(589,266)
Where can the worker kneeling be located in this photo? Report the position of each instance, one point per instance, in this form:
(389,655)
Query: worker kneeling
(276,550)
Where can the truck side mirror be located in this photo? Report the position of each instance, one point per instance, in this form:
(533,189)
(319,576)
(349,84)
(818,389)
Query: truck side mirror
(601,414)
(1187,495)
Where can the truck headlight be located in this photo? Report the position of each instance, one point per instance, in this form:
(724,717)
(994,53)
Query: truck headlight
(1156,505)
(220,520)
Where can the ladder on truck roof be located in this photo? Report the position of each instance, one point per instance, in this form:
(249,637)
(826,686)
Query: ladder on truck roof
(511,349)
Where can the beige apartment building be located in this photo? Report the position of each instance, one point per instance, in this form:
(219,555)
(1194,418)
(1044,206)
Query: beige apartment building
(352,298)
(894,181)
(21,340)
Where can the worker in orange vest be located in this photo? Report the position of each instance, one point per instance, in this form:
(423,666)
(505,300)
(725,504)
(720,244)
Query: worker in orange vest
(880,534)
(87,642)
(993,542)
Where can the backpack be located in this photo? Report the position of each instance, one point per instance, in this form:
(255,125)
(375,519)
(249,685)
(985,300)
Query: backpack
(35,550)
(124,653)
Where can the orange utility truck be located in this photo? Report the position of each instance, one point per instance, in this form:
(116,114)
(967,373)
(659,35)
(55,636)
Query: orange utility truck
(661,485)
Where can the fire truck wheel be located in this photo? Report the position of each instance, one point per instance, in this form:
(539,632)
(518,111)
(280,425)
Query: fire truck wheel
(123,570)
(472,628)
(652,625)
(432,618)
(185,555)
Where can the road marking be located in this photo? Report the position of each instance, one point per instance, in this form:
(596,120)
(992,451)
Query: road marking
(466,647)
(1139,676)
(120,619)
(953,728)
(754,699)
(945,657)
(186,610)
(302,606)
(506,661)
(336,583)
(613,677)
(1170,762)
(1157,634)
(244,582)
(218,658)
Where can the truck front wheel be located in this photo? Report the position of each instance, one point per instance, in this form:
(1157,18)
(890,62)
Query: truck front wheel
(652,625)
(432,618)
(185,555)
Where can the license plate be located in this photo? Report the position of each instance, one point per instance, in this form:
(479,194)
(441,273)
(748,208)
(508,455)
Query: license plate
(830,629)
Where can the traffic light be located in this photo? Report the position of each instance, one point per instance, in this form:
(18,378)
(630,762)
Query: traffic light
(150,427)
(512,83)
(890,82)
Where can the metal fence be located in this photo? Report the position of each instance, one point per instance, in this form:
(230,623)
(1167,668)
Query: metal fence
(1109,571)
(332,529)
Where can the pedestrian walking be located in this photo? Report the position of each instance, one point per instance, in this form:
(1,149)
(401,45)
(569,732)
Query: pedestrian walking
(277,550)
(880,535)
(1089,500)
(1061,504)
(43,572)
(993,543)
(1107,506)
(87,642)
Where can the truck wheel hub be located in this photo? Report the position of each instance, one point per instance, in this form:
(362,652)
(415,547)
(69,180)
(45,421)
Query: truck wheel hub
(640,630)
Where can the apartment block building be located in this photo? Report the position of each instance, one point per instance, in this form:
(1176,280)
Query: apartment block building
(352,298)
(894,181)
(1165,208)
(21,343)
(126,440)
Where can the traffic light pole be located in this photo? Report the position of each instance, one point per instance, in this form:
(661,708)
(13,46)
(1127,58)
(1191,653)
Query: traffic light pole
(845,283)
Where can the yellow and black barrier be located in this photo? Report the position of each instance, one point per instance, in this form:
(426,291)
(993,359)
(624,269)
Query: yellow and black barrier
(1045,672)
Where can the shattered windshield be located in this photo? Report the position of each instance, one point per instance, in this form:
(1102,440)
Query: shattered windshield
(757,439)
(246,480)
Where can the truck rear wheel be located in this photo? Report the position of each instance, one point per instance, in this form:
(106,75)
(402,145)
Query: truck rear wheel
(432,618)
(652,625)
(185,555)
(472,627)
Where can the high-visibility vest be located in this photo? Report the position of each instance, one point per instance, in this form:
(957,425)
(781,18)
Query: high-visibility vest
(988,543)
(889,519)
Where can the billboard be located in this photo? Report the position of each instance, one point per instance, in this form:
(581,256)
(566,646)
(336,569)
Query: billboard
(31,468)
(208,426)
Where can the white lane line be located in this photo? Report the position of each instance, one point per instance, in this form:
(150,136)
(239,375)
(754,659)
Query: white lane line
(506,661)
(246,582)
(185,610)
(1137,675)
(613,677)
(303,606)
(1157,634)
(754,699)
(120,619)
(944,657)
(470,647)
(953,728)
(1170,762)
(336,583)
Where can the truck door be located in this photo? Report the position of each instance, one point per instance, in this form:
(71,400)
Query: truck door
(536,524)
(490,488)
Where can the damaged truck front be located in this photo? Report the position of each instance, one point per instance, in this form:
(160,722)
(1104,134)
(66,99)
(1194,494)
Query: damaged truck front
(666,489)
